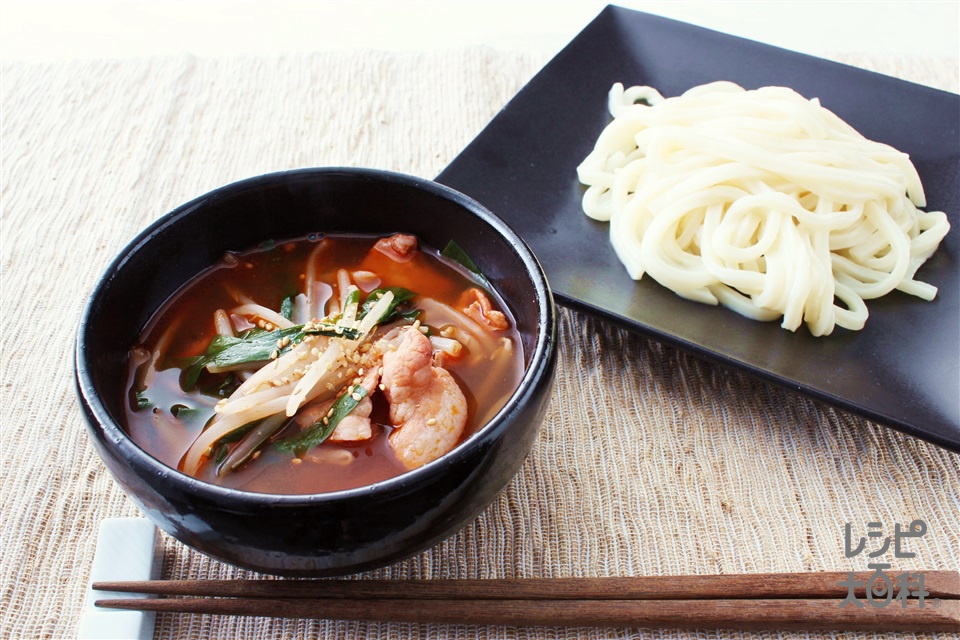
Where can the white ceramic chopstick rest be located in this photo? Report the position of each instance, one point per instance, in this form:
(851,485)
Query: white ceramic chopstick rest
(126,550)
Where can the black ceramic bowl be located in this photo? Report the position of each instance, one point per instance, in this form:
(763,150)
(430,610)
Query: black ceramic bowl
(321,534)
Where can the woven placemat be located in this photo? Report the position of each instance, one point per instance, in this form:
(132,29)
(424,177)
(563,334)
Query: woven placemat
(650,461)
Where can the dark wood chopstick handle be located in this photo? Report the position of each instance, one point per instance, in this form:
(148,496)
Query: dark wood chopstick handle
(674,614)
(938,584)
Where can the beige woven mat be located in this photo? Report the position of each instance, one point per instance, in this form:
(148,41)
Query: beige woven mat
(650,461)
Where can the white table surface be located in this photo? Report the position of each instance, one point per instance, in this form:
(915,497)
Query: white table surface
(57,30)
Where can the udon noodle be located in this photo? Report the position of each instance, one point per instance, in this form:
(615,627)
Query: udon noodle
(762,201)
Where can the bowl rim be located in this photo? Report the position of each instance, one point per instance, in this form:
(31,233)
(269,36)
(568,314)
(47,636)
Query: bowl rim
(535,374)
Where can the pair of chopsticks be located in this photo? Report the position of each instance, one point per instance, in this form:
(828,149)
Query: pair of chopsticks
(777,601)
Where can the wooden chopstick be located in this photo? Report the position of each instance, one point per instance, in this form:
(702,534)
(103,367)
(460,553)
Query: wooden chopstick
(939,584)
(677,614)
(756,601)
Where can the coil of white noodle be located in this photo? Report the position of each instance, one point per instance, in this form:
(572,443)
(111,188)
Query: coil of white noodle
(759,200)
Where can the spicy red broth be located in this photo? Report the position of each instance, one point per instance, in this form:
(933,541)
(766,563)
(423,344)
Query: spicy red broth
(174,385)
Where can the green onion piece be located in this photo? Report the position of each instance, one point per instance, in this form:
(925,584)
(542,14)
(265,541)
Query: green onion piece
(220,446)
(239,432)
(255,345)
(455,252)
(184,413)
(353,298)
(400,296)
(332,331)
(228,386)
(286,307)
(258,345)
(250,443)
(316,433)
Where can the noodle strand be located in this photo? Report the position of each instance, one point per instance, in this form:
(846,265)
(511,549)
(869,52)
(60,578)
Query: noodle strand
(762,201)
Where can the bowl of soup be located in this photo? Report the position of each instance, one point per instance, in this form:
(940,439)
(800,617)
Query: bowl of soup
(318,372)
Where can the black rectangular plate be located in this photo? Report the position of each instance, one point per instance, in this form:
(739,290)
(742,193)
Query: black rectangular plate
(902,370)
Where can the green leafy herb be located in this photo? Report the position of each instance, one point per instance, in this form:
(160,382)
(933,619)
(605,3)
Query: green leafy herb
(316,433)
(259,345)
(353,298)
(455,252)
(239,432)
(184,413)
(330,330)
(251,442)
(220,446)
(286,307)
(255,345)
(400,297)
(228,386)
